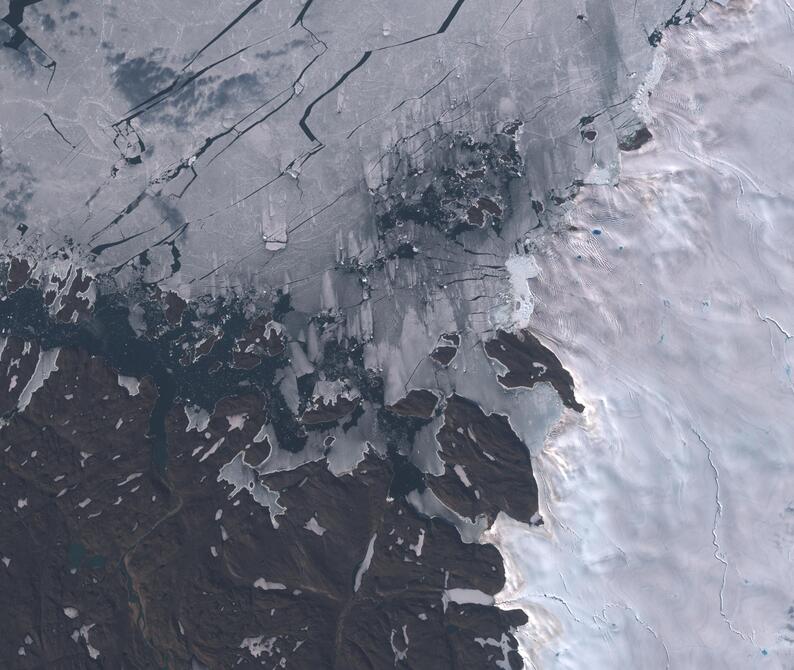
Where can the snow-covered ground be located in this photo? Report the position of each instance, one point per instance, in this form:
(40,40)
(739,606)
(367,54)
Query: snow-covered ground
(669,506)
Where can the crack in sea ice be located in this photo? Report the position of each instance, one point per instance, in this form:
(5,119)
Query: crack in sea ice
(718,553)
(640,621)
(548,596)
(786,337)
(776,323)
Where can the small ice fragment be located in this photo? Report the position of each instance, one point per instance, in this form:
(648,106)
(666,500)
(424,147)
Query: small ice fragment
(314,527)
(132,384)
(365,563)
(265,585)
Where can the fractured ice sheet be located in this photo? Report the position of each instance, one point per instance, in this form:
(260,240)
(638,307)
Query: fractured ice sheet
(246,137)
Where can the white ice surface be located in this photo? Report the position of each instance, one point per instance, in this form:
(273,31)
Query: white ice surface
(517,311)
(668,507)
